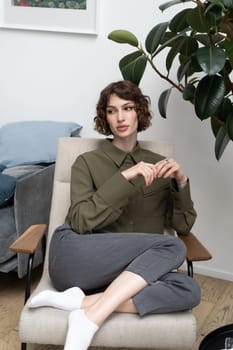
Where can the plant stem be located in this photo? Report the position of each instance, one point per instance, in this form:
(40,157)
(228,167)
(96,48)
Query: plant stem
(198,2)
(217,120)
(178,87)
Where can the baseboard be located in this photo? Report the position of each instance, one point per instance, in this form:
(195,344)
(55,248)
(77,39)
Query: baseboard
(207,271)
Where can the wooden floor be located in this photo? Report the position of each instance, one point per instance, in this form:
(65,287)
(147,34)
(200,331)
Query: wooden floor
(215,309)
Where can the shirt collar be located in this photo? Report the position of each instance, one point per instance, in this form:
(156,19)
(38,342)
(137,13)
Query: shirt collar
(117,155)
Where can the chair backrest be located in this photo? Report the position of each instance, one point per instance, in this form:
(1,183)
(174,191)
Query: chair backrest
(68,149)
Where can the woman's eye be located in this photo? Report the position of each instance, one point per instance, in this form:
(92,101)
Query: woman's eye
(129,108)
(109,111)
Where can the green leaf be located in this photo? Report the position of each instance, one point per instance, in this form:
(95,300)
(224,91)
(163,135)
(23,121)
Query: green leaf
(174,40)
(214,13)
(209,95)
(129,58)
(178,22)
(228,45)
(215,126)
(194,67)
(221,142)
(216,4)
(229,126)
(155,36)
(183,69)
(197,20)
(163,101)
(167,37)
(205,39)
(171,3)
(184,45)
(173,52)
(189,46)
(123,37)
(211,59)
(133,66)
(189,92)
(225,109)
(228,3)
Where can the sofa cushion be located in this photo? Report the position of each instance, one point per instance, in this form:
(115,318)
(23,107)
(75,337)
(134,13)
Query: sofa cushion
(20,171)
(7,189)
(32,142)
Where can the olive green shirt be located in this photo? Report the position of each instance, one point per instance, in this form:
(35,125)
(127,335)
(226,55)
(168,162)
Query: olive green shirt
(103,199)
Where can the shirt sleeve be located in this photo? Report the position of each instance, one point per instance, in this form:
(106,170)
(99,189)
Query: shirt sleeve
(91,208)
(181,215)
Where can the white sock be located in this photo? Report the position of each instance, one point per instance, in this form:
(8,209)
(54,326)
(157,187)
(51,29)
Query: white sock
(80,331)
(69,300)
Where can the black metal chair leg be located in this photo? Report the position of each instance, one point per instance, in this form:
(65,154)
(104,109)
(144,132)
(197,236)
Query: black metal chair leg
(28,286)
(190,267)
(29,277)
(44,246)
(23,346)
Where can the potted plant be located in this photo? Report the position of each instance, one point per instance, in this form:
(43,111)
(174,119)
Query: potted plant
(200,39)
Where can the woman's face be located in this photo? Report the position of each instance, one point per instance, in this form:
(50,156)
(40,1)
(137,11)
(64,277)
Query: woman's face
(122,117)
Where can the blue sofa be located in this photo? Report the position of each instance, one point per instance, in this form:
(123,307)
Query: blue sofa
(27,157)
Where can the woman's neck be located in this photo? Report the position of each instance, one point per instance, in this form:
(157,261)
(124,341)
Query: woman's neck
(126,145)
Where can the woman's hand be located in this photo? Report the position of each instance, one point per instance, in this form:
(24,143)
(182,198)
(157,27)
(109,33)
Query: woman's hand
(170,168)
(166,168)
(147,170)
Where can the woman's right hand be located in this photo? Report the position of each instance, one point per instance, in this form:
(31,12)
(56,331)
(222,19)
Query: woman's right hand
(147,170)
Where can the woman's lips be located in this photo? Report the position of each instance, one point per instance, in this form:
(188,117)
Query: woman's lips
(122,128)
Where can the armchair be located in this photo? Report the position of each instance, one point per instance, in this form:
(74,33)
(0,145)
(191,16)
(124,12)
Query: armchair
(167,331)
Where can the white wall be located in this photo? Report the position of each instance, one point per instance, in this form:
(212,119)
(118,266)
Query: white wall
(59,76)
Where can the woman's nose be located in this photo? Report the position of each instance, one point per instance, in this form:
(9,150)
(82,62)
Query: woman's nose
(120,115)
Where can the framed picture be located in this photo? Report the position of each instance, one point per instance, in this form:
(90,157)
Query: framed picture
(69,16)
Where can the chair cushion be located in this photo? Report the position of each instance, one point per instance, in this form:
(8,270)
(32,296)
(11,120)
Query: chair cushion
(32,142)
(166,331)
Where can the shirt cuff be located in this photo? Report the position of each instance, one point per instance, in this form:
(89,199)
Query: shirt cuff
(181,198)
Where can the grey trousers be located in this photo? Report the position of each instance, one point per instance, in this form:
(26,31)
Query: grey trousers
(93,261)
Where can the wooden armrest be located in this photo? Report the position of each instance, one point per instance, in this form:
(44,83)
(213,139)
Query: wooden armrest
(29,240)
(195,249)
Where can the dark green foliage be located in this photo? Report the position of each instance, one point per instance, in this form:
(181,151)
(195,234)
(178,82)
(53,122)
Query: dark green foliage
(199,46)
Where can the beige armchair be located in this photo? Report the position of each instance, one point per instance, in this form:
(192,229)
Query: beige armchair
(49,325)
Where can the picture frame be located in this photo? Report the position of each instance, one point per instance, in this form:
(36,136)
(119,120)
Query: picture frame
(50,19)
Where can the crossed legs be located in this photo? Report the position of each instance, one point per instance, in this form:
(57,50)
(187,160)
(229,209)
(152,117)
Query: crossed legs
(136,270)
(88,320)
(95,309)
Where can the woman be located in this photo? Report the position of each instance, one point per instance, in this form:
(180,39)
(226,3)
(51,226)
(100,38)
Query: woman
(122,197)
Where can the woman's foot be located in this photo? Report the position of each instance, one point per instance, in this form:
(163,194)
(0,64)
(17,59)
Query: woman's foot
(69,300)
(80,331)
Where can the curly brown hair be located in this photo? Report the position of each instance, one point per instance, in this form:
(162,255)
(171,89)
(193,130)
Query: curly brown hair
(127,91)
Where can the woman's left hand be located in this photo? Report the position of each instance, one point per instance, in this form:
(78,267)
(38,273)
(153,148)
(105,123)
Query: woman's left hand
(169,168)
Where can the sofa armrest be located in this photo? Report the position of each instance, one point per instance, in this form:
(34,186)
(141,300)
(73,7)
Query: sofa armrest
(32,202)
(196,251)
(29,240)
(32,199)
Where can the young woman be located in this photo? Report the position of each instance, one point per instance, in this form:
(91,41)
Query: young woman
(111,254)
